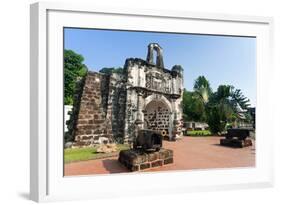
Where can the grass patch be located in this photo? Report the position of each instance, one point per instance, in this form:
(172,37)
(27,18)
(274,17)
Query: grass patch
(198,133)
(88,153)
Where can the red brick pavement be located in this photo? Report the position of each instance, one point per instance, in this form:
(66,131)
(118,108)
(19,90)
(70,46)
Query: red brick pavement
(189,153)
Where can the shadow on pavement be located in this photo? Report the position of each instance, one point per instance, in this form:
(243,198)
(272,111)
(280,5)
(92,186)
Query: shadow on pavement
(113,166)
(225,146)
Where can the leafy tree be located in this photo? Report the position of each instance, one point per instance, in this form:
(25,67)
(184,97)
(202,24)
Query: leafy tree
(194,103)
(74,70)
(240,99)
(177,67)
(233,99)
(111,70)
(201,82)
(225,105)
(193,107)
(221,108)
(202,89)
(215,120)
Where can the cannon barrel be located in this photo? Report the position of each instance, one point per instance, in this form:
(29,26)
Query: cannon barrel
(240,133)
(148,140)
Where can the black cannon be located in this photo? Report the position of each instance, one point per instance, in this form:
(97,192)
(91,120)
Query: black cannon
(148,140)
(147,152)
(237,137)
(239,133)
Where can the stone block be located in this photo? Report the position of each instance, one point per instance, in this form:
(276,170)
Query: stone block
(236,143)
(165,153)
(169,160)
(86,137)
(157,163)
(144,166)
(97,132)
(135,160)
(153,156)
(135,168)
(99,121)
(80,122)
(107,148)
(248,142)
(141,158)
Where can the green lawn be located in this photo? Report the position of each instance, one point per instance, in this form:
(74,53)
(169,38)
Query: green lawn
(81,154)
(198,133)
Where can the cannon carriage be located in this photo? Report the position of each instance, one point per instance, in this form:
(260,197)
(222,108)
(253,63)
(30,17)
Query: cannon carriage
(147,152)
(237,137)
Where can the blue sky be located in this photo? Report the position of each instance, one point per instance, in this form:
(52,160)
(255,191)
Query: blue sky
(221,59)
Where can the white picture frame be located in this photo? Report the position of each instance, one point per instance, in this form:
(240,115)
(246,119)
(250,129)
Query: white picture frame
(47,182)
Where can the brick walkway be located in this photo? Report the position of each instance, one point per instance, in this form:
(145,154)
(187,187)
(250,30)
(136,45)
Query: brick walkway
(189,153)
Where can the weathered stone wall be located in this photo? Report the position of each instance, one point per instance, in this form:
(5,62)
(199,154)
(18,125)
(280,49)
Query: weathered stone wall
(156,116)
(102,111)
(117,105)
(94,123)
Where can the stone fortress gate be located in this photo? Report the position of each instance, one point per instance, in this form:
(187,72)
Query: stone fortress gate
(145,95)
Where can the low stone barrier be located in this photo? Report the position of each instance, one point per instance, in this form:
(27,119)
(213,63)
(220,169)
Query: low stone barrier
(236,143)
(136,160)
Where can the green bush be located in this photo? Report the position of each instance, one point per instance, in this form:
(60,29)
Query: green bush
(198,133)
(216,121)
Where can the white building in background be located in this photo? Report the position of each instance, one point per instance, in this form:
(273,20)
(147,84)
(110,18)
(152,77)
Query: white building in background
(67,110)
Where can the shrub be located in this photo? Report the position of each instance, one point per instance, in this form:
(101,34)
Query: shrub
(198,133)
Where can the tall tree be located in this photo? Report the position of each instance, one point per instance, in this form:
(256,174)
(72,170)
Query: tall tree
(111,70)
(219,109)
(194,103)
(227,104)
(240,99)
(193,107)
(74,70)
(178,67)
(202,88)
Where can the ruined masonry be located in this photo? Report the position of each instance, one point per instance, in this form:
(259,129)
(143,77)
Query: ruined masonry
(145,96)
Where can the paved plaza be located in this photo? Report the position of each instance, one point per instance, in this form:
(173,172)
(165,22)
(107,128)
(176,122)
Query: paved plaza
(189,153)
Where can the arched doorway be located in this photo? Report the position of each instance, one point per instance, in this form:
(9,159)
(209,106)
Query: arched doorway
(157,116)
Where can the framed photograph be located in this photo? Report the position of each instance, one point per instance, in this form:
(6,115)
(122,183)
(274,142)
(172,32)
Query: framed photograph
(131,102)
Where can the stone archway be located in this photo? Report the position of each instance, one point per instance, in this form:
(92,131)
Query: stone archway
(158,115)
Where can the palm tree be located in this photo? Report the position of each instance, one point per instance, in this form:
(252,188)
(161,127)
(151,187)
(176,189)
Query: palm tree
(194,103)
(226,105)
(230,105)
(202,89)
(240,99)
